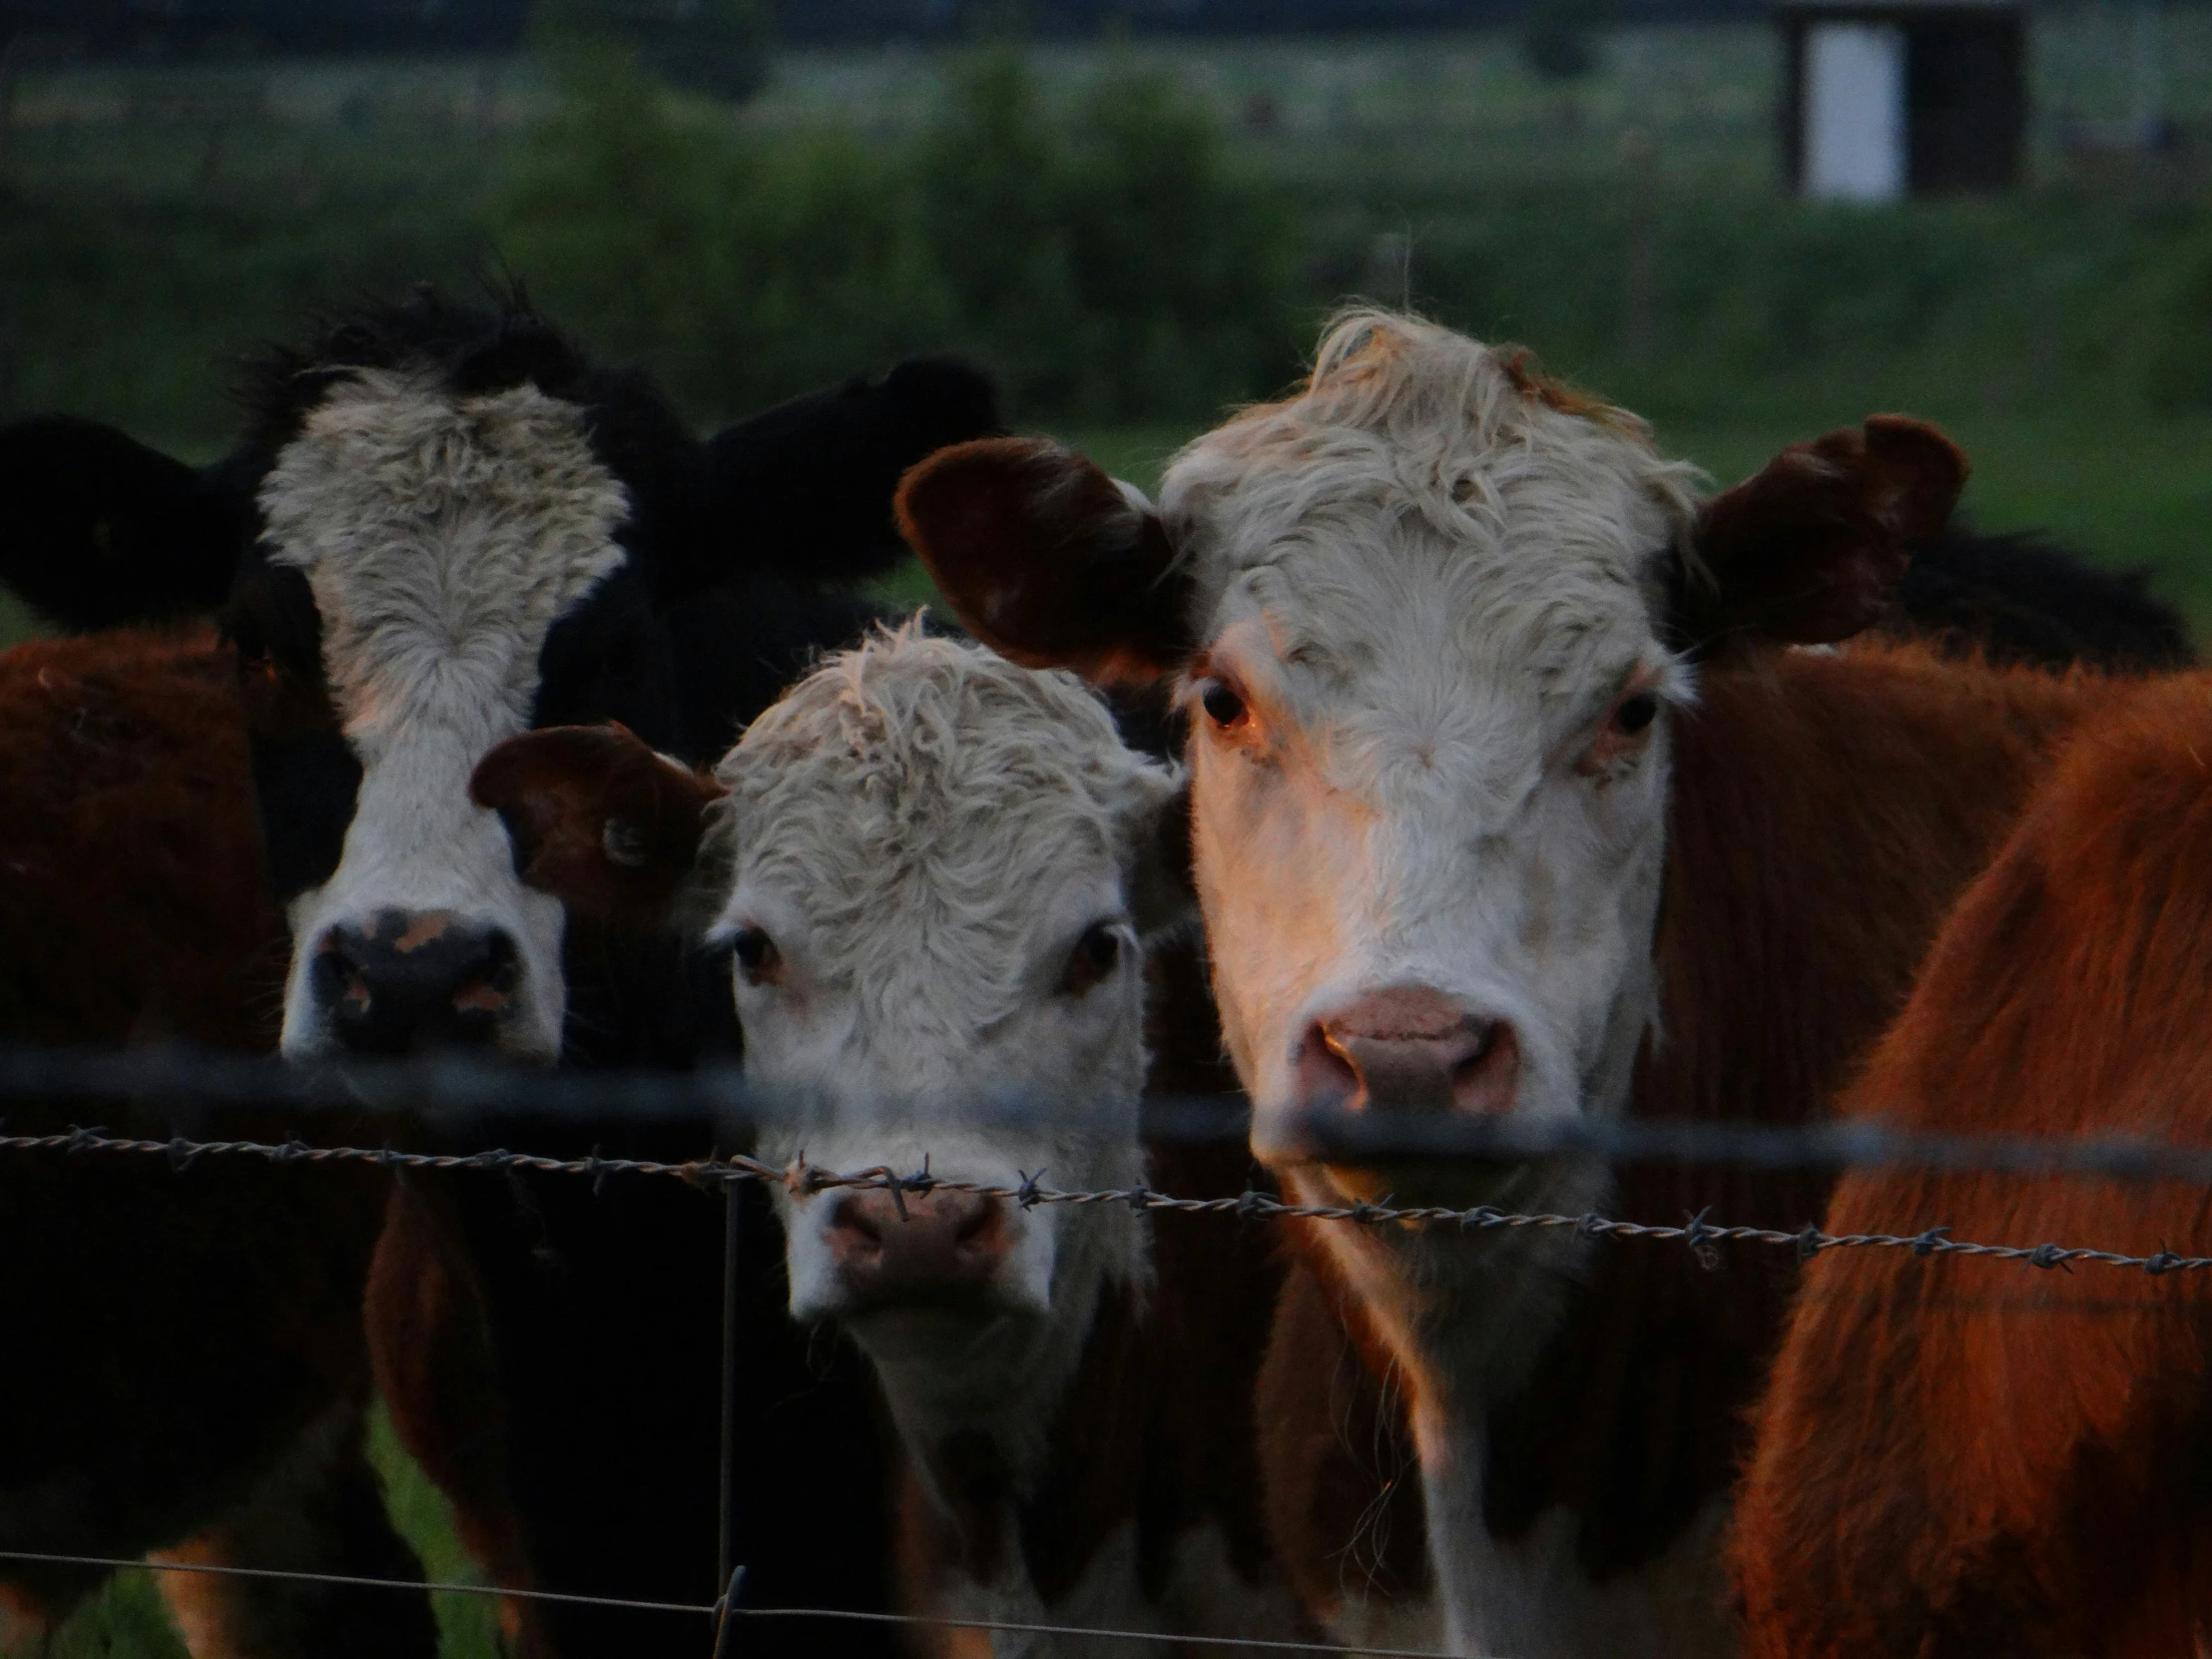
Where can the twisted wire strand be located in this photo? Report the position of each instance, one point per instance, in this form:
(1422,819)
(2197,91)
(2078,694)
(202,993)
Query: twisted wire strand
(714,1609)
(802,1179)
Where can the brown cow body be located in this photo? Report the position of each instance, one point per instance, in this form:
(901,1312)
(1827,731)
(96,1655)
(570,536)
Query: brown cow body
(186,1370)
(1963,1456)
(1799,900)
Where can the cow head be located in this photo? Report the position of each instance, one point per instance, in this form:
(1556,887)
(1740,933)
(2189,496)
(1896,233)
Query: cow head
(935,872)
(444,528)
(1433,620)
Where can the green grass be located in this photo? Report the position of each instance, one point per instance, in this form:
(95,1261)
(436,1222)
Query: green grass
(128,1620)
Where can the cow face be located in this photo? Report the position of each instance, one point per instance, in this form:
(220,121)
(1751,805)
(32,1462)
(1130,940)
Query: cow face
(443,528)
(437,539)
(934,871)
(1433,621)
(940,869)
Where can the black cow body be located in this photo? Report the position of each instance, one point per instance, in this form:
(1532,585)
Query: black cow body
(444,526)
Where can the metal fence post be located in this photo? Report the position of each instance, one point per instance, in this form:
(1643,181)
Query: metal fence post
(733,1226)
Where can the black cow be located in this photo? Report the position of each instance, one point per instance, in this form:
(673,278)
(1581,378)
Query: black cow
(443,527)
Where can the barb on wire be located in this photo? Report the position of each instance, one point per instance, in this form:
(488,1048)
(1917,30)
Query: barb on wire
(804,1180)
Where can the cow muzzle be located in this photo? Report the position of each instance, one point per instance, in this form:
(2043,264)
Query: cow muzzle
(943,1249)
(407,981)
(1408,1048)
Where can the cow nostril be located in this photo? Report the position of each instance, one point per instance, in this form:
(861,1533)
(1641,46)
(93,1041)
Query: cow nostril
(1326,1073)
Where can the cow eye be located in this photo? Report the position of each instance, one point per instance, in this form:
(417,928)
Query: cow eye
(1636,713)
(1092,960)
(1221,704)
(757,958)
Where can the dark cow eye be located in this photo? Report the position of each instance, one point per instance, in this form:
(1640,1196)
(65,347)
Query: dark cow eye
(1636,713)
(1222,705)
(1093,958)
(757,958)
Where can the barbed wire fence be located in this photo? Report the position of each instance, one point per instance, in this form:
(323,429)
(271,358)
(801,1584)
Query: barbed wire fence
(445,1098)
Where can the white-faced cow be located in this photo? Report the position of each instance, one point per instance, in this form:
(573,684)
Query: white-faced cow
(1509,800)
(938,872)
(443,527)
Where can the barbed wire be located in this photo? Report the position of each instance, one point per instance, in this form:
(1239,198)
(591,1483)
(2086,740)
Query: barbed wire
(1700,1236)
(447,1091)
(714,1609)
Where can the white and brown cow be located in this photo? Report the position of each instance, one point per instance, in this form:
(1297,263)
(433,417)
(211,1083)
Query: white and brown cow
(1508,799)
(938,873)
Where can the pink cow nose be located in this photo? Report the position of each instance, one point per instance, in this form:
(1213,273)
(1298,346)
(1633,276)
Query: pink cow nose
(1409,1048)
(946,1246)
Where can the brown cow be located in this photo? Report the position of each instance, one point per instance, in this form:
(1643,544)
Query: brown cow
(1509,798)
(1963,1456)
(187,1369)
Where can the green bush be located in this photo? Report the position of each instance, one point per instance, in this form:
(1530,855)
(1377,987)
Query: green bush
(741,269)
(1109,265)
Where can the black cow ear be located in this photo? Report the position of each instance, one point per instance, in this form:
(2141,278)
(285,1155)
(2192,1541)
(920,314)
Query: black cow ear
(1807,549)
(1048,561)
(100,530)
(805,489)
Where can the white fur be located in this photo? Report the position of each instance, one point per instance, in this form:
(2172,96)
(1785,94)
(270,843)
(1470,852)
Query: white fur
(442,538)
(1432,584)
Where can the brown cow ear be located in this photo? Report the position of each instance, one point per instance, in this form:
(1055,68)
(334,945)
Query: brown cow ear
(598,819)
(1805,551)
(1045,560)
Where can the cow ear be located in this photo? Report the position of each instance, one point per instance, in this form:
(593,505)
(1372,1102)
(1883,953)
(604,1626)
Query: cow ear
(1048,560)
(598,819)
(805,488)
(101,531)
(1805,551)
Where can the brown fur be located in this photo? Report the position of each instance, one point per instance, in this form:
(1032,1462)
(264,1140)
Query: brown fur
(597,817)
(1104,599)
(1826,811)
(186,1360)
(1968,1458)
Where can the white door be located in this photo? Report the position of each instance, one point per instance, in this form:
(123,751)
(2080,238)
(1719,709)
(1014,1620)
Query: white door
(1854,112)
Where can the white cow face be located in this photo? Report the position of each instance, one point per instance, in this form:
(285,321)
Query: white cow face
(442,536)
(940,869)
(1431,734)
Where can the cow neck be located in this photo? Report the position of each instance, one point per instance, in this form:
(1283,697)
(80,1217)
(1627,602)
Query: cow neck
(1155,1429)
(1826,809)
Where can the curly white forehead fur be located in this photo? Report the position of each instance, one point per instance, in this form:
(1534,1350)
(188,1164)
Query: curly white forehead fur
(1409,436)
(930,779)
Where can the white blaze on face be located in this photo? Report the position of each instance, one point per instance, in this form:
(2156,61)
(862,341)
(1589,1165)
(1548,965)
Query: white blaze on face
(933,862)
(1430,751)
(442,537)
